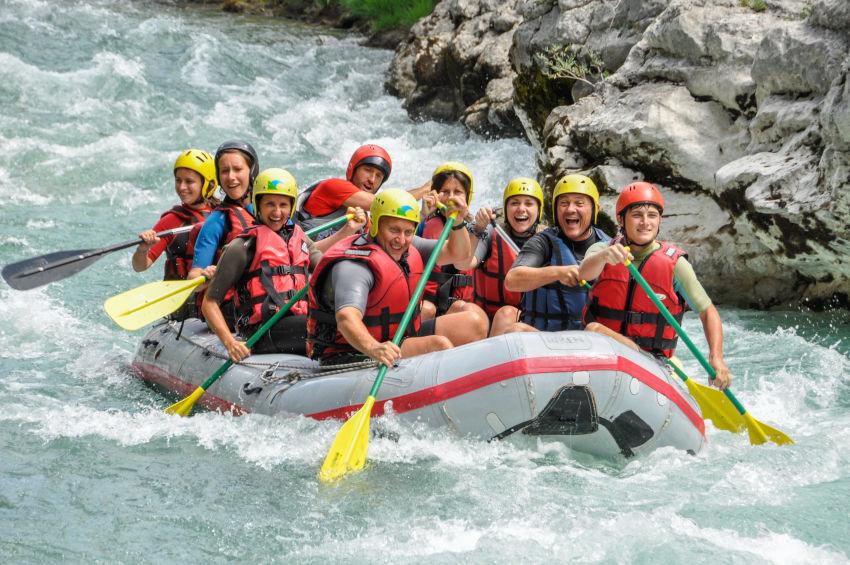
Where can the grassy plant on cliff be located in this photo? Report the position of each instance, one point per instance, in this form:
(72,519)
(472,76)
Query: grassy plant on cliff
(754,5)
(568,62)
(385,14)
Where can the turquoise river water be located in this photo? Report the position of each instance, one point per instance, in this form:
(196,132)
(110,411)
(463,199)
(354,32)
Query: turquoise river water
(96,99)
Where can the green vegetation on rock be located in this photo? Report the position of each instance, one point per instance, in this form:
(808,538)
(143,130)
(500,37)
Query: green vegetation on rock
(568,62)
(754,5)
(387,14)
(549,81)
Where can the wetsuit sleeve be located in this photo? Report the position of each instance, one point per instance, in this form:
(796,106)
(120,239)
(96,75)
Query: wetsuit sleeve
(482,250)
(208,238)
(425,247)
(168,222)
(351,282)
(328,196)
(535,253)
(235,259)
(686,283)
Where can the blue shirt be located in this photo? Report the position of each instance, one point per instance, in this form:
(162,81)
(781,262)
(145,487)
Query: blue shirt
(211,238)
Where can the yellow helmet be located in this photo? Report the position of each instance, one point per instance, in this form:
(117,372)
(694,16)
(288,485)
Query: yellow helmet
(576,184)
(274,181)
(523,186)
(202,163)
(393,203)
(460,168)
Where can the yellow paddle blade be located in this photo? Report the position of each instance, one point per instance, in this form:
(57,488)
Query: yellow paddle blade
(348,452)
(713,404)
(146,304)
(761,432)
(184,407)
(774,435)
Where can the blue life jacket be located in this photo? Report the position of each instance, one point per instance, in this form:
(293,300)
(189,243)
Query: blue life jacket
(555,306)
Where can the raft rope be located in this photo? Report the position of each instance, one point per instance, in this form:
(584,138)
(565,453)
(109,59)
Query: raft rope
(296,373)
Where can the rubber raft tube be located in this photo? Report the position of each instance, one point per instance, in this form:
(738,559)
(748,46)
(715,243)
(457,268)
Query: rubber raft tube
(579,388)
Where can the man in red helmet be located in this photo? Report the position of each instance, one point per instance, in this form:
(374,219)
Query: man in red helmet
(368,168)
(619,308)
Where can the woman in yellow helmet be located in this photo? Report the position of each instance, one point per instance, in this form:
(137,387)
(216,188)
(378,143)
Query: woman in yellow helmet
(523,204)
(449,289)
(263,267)
(194,183)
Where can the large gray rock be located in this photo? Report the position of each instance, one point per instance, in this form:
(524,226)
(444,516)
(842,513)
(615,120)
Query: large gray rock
(455,66)
(742,117)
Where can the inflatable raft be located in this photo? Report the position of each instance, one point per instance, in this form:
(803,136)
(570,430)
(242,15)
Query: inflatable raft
(579,388)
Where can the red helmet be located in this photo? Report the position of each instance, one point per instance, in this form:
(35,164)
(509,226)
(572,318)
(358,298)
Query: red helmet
(639,193)
(374,155)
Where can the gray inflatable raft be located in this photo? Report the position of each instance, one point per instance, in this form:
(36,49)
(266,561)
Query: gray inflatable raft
(579,388)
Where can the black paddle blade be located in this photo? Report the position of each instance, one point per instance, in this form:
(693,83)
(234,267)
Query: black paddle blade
(38,271)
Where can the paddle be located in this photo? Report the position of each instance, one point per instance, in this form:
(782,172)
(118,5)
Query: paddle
(38,271)
(759,432)
(712,402)
(349,449)
(184,407)
(140,306)
(505,237)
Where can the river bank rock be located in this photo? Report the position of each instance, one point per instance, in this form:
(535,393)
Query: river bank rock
(738,109)
(454,66)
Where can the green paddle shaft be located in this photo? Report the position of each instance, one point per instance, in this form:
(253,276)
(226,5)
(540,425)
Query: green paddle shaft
(256,337)
(414,301)
(279,314)
(672,321)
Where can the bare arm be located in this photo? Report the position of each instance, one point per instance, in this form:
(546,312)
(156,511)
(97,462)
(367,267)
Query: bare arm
(713,328)
(349,321)
(593,263)
(421,191)
(360,199)
(351,227)
(524,279)
(215,320)
(141,261)
(458,249)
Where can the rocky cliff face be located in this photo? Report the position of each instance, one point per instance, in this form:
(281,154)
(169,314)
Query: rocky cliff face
(454,66)
(740,114)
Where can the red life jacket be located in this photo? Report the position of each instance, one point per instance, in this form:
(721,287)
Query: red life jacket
(489,278)
(446,284)
(178,253)
(618,302)
(278,271)
(385,306)
(236,220)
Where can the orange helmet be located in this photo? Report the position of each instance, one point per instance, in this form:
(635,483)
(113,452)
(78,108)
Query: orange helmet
(374,155)
(638,193)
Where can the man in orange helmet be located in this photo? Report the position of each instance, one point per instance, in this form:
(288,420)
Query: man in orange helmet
(619,309)
(368,169)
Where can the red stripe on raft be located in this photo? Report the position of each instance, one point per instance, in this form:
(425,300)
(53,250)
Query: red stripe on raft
(517,368)
(155,375)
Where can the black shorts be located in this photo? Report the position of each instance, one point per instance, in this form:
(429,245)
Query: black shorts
(426,328)
(288,335)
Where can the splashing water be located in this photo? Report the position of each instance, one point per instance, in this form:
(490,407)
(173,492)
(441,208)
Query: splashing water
(98,98)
